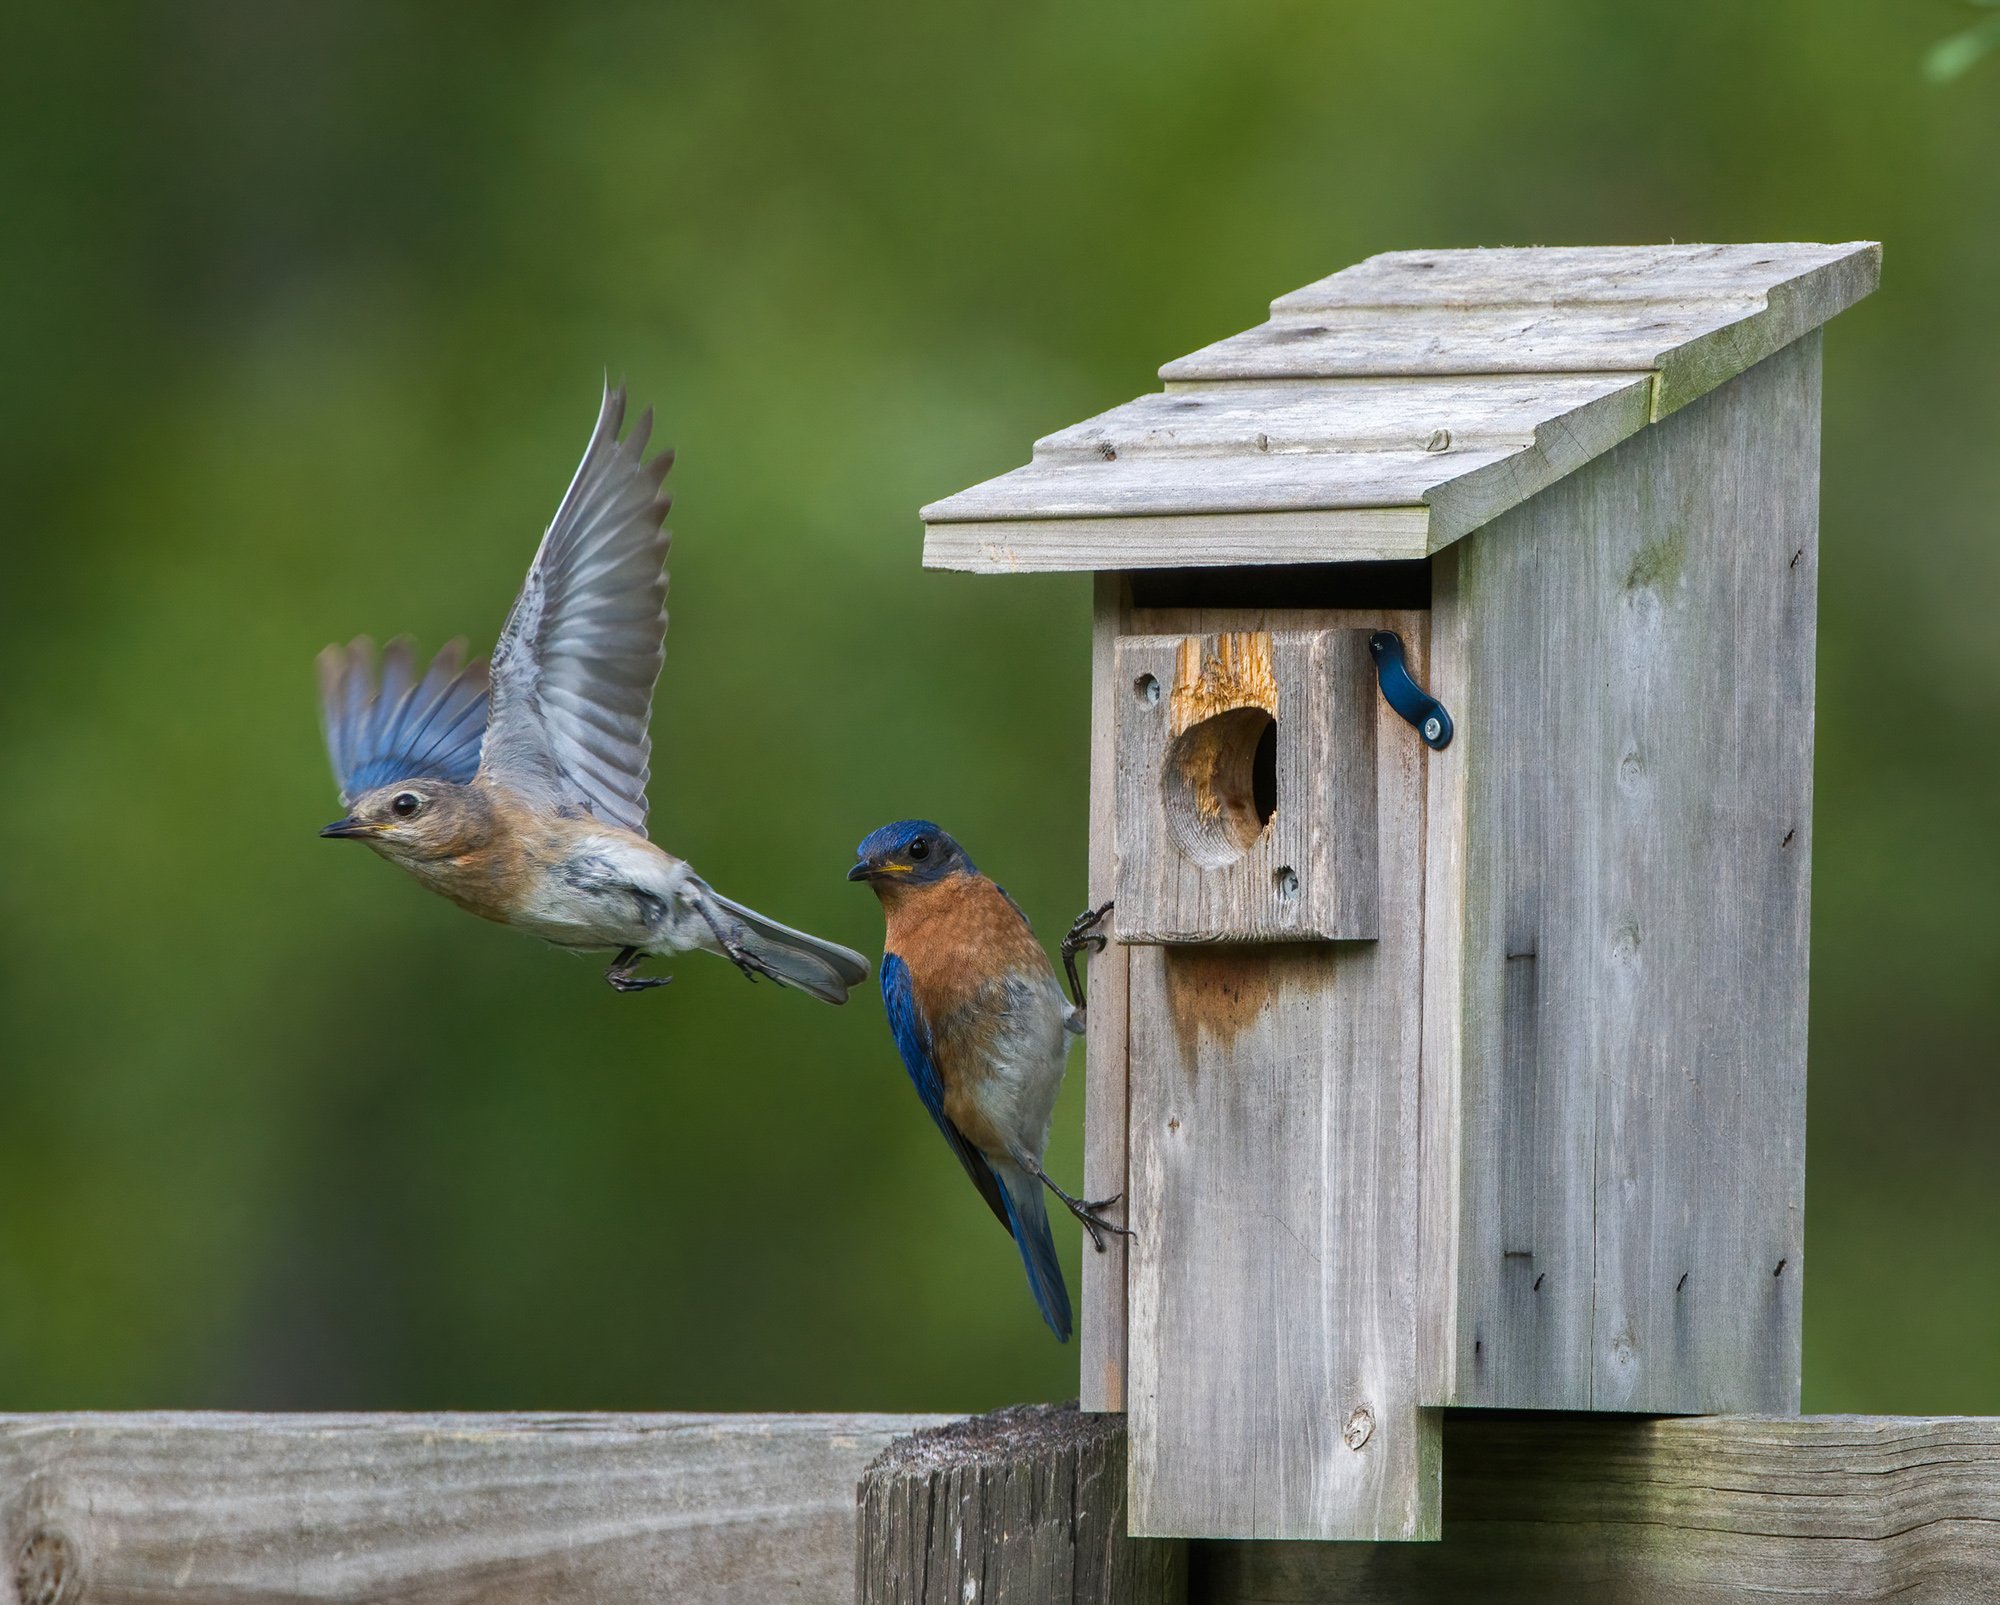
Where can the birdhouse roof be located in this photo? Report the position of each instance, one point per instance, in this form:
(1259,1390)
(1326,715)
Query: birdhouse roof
(1385,411)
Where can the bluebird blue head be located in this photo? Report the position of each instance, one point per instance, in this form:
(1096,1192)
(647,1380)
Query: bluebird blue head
(911,852)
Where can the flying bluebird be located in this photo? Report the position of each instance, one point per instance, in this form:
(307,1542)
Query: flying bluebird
(984,1030)
(520,792)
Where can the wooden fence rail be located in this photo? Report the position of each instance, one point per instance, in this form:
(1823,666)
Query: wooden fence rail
(437,1509)
(1026,1506)
(1550,1509)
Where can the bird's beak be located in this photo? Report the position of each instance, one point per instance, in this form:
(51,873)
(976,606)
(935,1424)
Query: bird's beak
(345,829)
(875,872)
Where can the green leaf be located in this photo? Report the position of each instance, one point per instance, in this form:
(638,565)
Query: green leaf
(1951,58)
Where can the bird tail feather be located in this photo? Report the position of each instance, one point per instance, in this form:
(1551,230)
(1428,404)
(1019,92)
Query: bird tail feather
(1028,1219)
(825,969)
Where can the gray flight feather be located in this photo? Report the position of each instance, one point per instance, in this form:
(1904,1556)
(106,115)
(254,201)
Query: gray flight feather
(574,671)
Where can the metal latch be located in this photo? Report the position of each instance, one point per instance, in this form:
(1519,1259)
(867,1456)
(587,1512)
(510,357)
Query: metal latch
(1404,694)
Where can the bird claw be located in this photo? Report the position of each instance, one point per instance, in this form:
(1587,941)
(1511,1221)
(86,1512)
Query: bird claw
(636,983)
(751,966)
(623,980)
(1095,1223)
(1082,933)
(1091,1214)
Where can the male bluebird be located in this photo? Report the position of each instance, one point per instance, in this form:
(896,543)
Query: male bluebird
(523,800)
(984,1029)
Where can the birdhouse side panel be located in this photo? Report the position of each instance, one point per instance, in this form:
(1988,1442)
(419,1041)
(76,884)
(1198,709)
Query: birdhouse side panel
(1636,718)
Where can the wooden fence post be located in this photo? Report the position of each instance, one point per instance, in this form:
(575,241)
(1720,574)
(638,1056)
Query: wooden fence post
(1022,1507)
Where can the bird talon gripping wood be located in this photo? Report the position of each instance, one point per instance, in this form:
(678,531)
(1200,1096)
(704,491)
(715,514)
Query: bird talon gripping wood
(519,791)
(1082,933)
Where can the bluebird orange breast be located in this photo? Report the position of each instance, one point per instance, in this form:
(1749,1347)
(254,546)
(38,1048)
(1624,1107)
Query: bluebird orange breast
(988,999)
(957,936)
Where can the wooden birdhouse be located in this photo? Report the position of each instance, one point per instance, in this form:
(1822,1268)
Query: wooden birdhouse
(1452,723)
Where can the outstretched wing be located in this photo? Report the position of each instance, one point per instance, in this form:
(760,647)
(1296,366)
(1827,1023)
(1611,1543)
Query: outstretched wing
(400,727)
(574,671)
(913,1043)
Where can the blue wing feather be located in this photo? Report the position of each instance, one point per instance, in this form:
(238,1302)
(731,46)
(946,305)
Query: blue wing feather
(401,727)
(913,1043)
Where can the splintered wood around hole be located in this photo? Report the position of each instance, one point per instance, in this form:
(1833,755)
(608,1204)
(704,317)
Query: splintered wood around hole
(1219,674)
(1222,712)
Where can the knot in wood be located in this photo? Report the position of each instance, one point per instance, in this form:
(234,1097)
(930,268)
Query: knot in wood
(1360,1427)
(46,1569)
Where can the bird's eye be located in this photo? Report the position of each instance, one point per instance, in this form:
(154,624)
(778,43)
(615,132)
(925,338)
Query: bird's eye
(920,848)
(406,803)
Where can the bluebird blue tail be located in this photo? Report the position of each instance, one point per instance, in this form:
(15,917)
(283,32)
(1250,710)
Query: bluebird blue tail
(1028,1220)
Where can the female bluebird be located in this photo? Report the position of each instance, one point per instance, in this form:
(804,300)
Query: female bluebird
(984,1030)
(520,794)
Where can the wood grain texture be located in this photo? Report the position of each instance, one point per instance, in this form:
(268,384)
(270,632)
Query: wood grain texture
(1273,1145)
(1388,410)
(1566,275)
(1101,1326)
(1022,1507)
(1715,1511)
(1441,1122)
(518,1510)
(1634,691)
(1310,871)
(1198,540)
(1305,447)
(1697,315)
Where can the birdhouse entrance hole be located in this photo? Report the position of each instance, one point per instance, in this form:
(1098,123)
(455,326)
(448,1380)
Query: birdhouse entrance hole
(1220,785)
(1246,787)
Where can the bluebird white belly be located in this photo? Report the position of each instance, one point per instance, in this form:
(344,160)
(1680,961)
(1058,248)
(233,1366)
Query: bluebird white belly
(1020,1074)
(608,892)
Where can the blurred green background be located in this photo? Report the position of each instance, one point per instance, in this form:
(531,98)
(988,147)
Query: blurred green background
(303,311)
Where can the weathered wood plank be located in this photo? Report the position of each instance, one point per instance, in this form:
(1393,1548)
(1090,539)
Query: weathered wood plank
(1299,420)
(432,1509)
(1022,1507)
(1702,1511)
(1636,691)
(1101,1328)
(1565,275)
(1197,863)
(1441,1121)
(1305,446)
(1240,478)
(1697,314)
(1208,540)
(1274,1282)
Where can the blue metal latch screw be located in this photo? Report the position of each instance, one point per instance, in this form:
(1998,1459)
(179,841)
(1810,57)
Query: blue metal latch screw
(1404,694)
